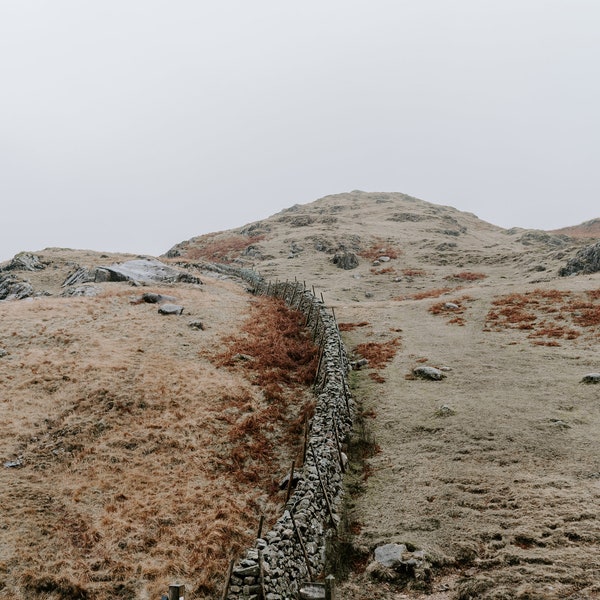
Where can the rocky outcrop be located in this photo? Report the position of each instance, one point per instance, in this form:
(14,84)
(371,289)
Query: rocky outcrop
(25,261)
(12,288)
(345,260)
(139,271)
(587,260)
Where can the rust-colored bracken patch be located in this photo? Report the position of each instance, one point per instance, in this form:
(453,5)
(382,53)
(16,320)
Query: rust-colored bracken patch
(550,314)
(433,293)
(351,326)
(380,248)
(379,354)
(467,276)
(223,248)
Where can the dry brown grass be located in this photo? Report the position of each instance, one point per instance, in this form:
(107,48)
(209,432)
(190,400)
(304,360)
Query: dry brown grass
(433,293)
(467,276)
(223,248)
(381,248)
(414,272)
(383,271)
(351,326)
(143,462)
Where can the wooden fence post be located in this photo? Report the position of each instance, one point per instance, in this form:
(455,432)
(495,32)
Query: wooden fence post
(330,587)
(176,591)
(229,572)
(260,526)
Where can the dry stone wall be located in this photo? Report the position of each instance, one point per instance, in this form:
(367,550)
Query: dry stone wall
(293,551)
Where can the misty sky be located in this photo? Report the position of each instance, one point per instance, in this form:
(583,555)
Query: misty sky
(130,125)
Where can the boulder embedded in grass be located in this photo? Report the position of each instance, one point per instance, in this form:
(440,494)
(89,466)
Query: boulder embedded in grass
(428,373)
(591,378)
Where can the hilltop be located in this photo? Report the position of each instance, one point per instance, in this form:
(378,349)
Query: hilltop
(491,471)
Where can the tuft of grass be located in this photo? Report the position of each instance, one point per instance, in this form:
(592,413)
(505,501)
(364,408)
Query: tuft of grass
(414,272)
(467,276)
(351,326)
(433,293)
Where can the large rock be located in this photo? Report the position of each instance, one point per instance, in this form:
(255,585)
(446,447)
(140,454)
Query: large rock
(428,373)
(345,260)
(25,262)
(12,288)
(389,555)
(139,271)
(587,260)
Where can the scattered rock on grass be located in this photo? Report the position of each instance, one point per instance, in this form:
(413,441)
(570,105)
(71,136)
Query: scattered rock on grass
(428,373)
(170,309)
(591,378)
(345,260)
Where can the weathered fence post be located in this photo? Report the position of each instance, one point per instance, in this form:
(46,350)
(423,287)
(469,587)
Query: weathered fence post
(330,587)
(176,591)
(229,572)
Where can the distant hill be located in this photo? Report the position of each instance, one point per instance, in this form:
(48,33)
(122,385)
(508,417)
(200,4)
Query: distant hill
(588,229)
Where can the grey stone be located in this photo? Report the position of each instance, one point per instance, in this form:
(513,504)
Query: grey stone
(12,288)
(587,260)
(389,555)
(152,298)
(80,275)
(345,260)
(428,373)
(145,271)
(170,309)
(82,290)
(3,352)
(25,261)
(591,378)
(451,306)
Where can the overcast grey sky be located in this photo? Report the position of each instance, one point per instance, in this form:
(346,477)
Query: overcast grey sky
(130,125)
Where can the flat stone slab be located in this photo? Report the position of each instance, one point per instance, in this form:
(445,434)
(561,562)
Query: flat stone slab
(170,309)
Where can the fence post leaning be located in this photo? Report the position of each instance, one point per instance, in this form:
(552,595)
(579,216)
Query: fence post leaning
(176,591)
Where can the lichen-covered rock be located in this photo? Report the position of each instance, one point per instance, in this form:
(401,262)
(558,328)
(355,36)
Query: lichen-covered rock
(170,309)
(345,260)
(428,373)
(12,288)
(25,261)
(587,260)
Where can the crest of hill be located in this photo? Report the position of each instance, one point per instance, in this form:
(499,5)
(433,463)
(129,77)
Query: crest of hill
(588,229)
(310,241)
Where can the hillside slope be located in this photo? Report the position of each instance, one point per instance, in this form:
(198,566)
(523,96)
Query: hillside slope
(492,471)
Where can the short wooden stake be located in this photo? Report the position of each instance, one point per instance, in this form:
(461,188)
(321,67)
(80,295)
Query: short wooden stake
(330,587)
(261,575)
(329,509)
(305,444)
(176,591)
(261,522)
(289,487)
(227,580)
(339,448)
(304,553)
